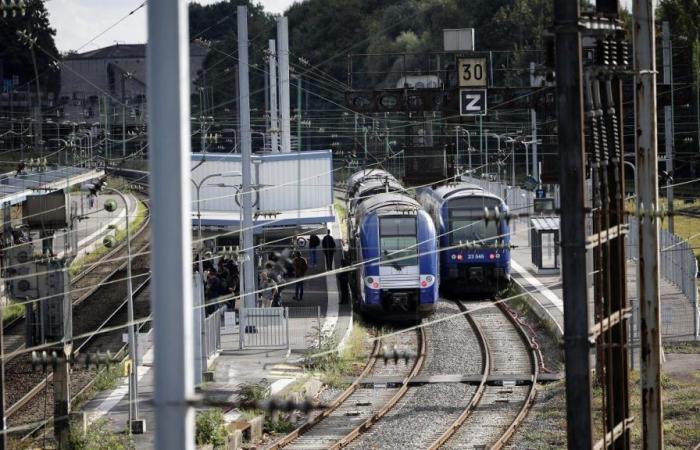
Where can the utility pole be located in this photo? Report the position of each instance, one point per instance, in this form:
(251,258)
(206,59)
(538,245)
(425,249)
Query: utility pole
(299,85)
(568,67)
(274,115)
(535,169)
(3,421)
(246,190)
(668,142)
(668,118)
(283,60)
(647,207)
(169,137)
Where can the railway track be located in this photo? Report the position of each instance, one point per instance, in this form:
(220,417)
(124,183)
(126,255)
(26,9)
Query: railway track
(358,408)
(456,401)
(99,299)
(496,412)
(33,417)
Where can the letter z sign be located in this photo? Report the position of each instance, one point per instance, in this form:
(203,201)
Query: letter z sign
(472,102)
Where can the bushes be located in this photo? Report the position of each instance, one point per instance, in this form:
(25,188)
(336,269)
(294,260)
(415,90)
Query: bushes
(210,428)
(99,437)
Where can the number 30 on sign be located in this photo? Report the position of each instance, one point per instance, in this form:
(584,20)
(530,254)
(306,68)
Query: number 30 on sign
(472,72)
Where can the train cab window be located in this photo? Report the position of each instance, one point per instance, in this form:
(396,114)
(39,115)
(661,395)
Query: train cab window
(466,221)
(397,241)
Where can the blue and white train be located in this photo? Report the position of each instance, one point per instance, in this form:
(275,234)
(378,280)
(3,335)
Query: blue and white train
(475,252)
(393,244)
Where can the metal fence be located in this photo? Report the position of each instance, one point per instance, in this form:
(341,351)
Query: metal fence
(212,332)
(678,266)
(264,327)
(296,328)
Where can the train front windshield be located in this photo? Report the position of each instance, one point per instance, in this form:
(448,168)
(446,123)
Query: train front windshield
(466,220)
(397,240)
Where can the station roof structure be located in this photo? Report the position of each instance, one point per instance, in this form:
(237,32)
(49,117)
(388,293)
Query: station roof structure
(293,189)
(15,188)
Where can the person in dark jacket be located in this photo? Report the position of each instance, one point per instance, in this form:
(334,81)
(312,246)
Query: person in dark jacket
(344,280)
(328,245)
(314,242)
(300,268)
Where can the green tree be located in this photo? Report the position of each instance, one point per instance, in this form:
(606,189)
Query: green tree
(15,54)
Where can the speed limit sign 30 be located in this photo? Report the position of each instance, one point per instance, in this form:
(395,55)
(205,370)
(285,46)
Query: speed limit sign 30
(472,72)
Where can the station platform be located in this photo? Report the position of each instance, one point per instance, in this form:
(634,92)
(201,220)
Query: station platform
(545,292)
(232,367)
(95,221)
(15,187)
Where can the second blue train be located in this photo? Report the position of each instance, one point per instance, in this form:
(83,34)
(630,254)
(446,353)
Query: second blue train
(473,236)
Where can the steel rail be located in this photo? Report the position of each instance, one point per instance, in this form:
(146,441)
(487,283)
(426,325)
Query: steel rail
(10,411)
(367,424)
(530,399)
(476,398)
(291,437)
(120,356)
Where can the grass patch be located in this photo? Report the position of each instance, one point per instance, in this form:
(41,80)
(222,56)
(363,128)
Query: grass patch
(99,436)
(334,365)
(682,347)
(545,427)
(108,378)
(11,311)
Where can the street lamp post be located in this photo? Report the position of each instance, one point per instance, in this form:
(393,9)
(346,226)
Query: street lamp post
(133,354)
(200,264)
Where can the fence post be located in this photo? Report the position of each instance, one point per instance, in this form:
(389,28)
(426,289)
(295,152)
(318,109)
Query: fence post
(318,322)
(286,323)
(241,328)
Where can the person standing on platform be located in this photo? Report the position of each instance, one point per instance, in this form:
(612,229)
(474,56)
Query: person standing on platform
(268,289)
(300,268)
(328,245)
(314,242)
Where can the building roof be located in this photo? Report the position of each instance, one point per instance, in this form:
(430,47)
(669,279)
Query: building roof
(117,51)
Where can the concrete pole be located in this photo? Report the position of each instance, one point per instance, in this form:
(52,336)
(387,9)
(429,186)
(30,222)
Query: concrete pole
(569,95)
(457,143)
(246,150)
(648,204)
(274,117)
(535,168)
(668,141)
(283,58)
(168,90)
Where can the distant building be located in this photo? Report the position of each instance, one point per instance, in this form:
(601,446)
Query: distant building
(89,79)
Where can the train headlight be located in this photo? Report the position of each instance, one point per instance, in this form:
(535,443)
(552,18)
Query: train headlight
(372,282)
(492,256)
(427,281)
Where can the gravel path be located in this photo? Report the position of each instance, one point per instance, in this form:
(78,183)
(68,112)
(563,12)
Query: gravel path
(425,412)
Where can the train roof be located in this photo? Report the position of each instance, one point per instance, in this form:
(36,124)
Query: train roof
(454,190)
(388,201)
(361,175)
(387,184)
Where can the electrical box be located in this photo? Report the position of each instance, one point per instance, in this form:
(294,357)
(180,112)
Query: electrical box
(458,40)
(20,272)
(47,211)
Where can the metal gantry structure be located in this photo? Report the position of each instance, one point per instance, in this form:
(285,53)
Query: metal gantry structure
(589,96)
